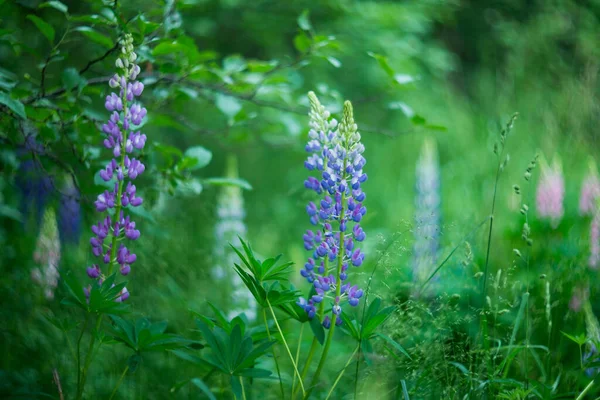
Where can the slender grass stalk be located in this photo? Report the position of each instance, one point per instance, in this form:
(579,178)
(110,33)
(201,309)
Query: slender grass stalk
(342,372)
(475,229)
(298,356)
(119,383)
(587,388)
(484,321)
(286,346)
(274,355)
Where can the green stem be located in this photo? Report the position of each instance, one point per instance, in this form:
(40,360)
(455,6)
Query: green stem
(274,355)
(119,383)
(242,384)
(298,356)
(286,347)
(341,373)
(88,358)
(83,329)
(587,388)
(313,346)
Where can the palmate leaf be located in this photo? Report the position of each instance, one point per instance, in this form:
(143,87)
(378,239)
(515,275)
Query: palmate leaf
(102,297)
(267,270)
(144,336)
(233,350)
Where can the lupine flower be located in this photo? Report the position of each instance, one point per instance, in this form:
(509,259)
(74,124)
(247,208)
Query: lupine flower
(228,229)
(69,213)
(578,297)
(33,183)
(47,255)
(594,242)
(551,193)
(590,190)
(427,216)
(122,138)
(336,156)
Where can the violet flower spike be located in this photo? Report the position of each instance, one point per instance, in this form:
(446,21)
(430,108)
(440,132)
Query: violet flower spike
(123,140)
(335,155)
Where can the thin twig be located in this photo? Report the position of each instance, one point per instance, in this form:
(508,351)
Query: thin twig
(57,382)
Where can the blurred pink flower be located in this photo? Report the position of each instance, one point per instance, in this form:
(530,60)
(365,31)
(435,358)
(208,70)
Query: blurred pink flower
(590,190)
(578,296)
(550,194)
(594,242)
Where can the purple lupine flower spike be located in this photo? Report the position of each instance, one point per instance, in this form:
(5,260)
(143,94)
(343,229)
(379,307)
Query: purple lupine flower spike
(123,137)
(336,156)
(69,213)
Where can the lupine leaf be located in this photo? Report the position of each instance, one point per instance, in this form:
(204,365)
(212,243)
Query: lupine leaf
(202,386)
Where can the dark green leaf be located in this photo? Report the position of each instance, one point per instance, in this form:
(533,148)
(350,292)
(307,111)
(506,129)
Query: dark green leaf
(318,330)
(15,105)
(96,36)
(202,386)
(57,5)
(44,27)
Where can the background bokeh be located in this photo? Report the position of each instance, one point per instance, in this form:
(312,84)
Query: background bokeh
(450,73)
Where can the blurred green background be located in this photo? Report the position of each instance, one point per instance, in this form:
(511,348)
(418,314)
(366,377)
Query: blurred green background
(450,72)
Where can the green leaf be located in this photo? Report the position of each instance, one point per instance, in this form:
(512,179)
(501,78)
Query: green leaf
(236,387)
(9,212)
(242,183)
(394,344)
(254,373)
(233,64)
(194,359)
(302,42)
(191,186)
(317,329)
(57,5)
(15,105)
(201,155)
(334,61)
(579,339)
(202,386)
(96,36)
(44,27)
(304,21)
(71,78)
(383,63)
(228,105)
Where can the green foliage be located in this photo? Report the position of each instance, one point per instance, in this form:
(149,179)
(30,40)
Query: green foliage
(263,280)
